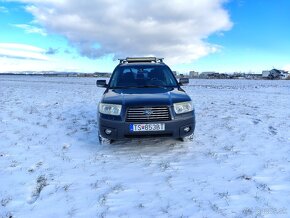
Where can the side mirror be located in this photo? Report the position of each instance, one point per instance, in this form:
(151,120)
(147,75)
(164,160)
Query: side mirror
(102,83)
(183,81)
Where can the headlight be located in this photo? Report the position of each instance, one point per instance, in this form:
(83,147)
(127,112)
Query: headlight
(110,109)
(183,107)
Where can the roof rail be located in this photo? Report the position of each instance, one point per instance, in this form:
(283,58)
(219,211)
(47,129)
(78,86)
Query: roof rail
(141,59)
(122,61)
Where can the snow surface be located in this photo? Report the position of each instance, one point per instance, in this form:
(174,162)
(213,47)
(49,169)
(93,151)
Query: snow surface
(52,165)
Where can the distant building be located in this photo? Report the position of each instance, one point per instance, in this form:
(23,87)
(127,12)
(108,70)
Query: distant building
(193,74)
(206,75)
(223,76)
(99,74)
(284,74)
(253,76)
(275,74)
(265,73)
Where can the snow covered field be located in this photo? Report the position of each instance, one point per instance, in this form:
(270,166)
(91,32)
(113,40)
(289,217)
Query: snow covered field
(51,164)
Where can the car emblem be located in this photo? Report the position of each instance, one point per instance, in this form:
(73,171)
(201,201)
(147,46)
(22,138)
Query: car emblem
(148,112)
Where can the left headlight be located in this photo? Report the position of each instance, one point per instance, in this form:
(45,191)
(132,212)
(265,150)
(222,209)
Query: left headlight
(183,107)
(110,109)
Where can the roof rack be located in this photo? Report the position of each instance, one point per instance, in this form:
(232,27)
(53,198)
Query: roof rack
(141,59)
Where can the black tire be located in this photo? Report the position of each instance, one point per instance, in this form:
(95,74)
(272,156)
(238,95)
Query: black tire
(104,141)
(188,138)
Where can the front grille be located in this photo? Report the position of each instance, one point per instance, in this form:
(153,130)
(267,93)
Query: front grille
(148,114)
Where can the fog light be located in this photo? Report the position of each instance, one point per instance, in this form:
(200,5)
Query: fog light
(108,131)
(186,129)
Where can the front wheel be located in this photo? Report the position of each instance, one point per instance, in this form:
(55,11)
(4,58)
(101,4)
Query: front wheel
(104,141)
(188,138)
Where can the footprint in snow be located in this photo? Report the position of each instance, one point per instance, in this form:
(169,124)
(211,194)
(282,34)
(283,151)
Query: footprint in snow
(256,121)
(272,130)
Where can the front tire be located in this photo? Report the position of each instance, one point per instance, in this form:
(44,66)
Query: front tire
(188,138)
(104,141)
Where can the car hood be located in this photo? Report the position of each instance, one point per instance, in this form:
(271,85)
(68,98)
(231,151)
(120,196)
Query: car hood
(145,96)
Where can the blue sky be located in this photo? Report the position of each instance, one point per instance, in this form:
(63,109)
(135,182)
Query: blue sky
(236,35)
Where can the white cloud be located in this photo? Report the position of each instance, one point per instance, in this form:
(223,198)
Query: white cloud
(3,10)
(176,30)
(22,51)
(10,64)
(31,29)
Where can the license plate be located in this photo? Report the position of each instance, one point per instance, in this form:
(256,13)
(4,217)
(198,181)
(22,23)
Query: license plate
(152,127)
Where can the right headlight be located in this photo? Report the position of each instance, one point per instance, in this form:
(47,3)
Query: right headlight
(110,109)
(183,107)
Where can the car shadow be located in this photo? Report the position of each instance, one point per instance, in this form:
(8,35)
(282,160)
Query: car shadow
(81,125)
(146,146)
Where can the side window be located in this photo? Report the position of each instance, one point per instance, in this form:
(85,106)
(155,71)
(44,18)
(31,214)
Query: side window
(168,75)
(116,75)
(171,80)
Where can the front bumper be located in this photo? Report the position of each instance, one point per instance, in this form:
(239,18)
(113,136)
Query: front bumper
(173,128)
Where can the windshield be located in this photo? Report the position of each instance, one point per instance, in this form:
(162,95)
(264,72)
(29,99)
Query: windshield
(142,77)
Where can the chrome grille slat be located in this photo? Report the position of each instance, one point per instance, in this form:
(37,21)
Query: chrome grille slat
(152,115)
(141,112)
(157,108)
(165,113)
(159,113)
(147,116)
